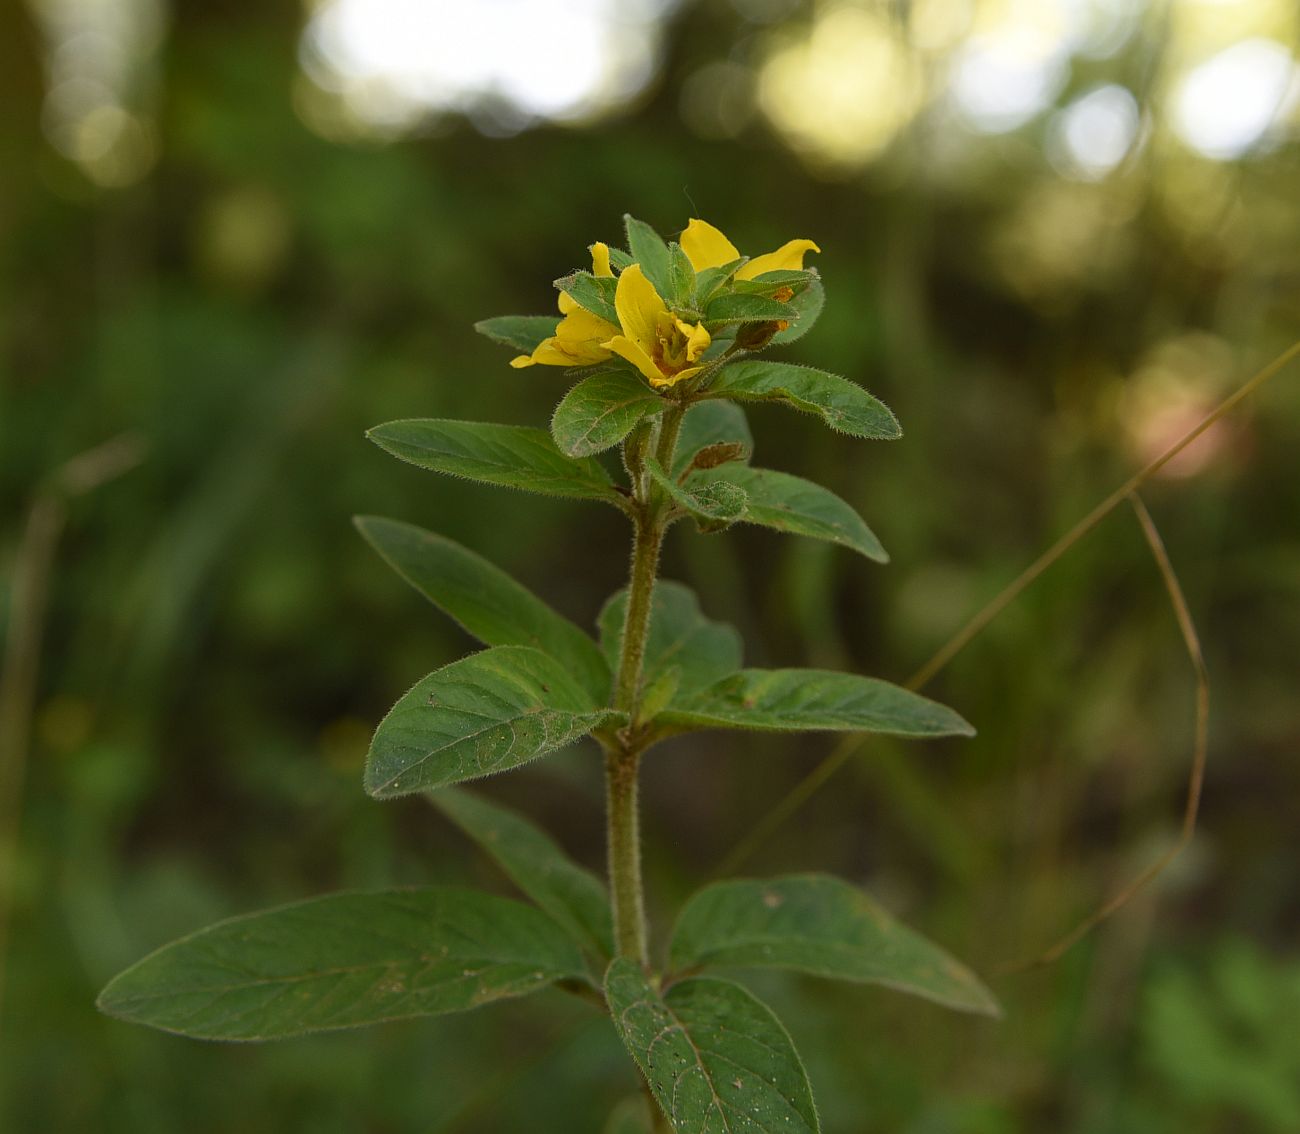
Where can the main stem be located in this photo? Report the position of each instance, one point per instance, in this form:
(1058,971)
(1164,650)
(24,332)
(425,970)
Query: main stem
(623,754)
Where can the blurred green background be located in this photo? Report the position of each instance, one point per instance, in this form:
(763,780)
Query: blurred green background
(1055,232)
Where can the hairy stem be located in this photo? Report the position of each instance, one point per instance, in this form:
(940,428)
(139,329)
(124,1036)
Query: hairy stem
(623,756)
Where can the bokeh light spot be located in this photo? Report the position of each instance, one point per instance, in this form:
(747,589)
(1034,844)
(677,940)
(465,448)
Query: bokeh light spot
(1224,108)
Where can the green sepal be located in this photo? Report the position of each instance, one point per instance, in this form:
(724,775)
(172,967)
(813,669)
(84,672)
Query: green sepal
(681,278)
(733,307)
(710,280)
(574,897)
(489,712)
(595,293)
(485,600)
(843,405)
(714,1055)
(813,700)
(771,282)
(523,332)
(344,961)
(820,925)
(649,250)
(509,456)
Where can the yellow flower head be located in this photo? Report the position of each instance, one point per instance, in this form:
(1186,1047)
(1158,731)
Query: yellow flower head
(706,247)
(660,345)
(578,336)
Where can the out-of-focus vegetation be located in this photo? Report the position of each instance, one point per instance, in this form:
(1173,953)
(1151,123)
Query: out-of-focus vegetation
(1057,233)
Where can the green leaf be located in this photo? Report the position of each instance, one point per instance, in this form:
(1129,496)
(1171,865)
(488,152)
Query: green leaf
(486,713)
(618,258)
(715,1057)
(737,308)
(484,599)
(680,637)
(712,504)
(710,280)
(710,423)
(817,924)
(343,961)
(800,507)
(595,293)
(841,404)
(601,410)
(523,332)
(513,456)
(814,700)
(771,282)
(807,305)
(681,277)
(649,250)
(574,897)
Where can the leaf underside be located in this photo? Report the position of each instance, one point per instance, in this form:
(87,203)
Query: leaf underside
(715,1057)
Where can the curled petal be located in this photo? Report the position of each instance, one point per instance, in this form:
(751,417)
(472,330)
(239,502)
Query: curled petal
(787,258)
(600,260)
(636,354)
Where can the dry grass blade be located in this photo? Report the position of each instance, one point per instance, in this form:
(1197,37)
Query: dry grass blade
(1196,777)
(809,785)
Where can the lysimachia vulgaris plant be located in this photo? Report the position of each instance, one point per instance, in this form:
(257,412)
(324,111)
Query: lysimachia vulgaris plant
(667,344)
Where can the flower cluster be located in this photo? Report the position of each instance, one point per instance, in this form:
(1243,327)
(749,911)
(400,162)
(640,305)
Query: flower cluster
(667,309)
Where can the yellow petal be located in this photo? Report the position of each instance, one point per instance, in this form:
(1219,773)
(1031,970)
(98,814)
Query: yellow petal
(635,353)
(600,260)
(581,325)
(663,381)
(638,306)
(567,303)
(549,352)
(706,247)
(697,339)
(787,258)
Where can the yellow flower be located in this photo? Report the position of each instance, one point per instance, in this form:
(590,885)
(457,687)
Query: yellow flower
(706,247)
(578,336)
(660,345)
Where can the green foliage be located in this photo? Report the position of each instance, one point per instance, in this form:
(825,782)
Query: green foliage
(813,923)
(648,249)
(841,404)
(484,599)
(740,308)
(792,504)
(715,1057)
(793,700)
(511,456)
(807,307)
(595,293)
(681,638)
(523,332)
(343,961)
(712,504)
(600,411)
(575,898)
(486,713)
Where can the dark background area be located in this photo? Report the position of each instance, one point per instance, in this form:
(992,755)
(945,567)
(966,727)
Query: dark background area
(208,251)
